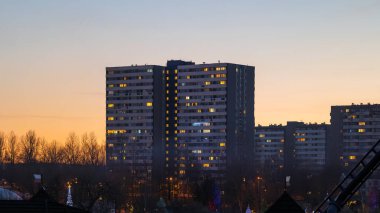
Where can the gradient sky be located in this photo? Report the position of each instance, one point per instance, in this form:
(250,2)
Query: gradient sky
(308,55)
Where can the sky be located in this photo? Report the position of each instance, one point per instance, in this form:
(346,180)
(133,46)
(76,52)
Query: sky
(308,55)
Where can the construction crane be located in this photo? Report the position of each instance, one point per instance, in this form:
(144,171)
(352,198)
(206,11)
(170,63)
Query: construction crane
(343,192)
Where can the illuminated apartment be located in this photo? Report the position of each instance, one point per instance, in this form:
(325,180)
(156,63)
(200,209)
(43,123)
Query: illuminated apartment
(355,129)
(215,120)
(269,147)
(135,118)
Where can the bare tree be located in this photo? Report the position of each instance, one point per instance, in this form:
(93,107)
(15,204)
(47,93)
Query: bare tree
(54,153)
(29,147)
(2,147)
(13,148)
(90,149)
(72,149)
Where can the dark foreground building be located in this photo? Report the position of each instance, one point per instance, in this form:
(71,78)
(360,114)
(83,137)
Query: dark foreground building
(40,202)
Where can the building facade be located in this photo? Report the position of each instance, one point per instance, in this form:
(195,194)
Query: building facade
(185,121)
(135,119)
(356,128)
(269,147)
(215,119)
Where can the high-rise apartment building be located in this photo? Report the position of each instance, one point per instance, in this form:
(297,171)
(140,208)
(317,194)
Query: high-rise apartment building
(135,119)
(181,121)
(355,129)
(215,119)
(269,147)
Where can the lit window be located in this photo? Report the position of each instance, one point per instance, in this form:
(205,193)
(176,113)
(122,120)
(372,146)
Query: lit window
(175,71)
(361,123)
(123,85)
(207,82)
(222,68)
(301,139)
(187,97)
(110,85)
(199,110)
(206,165)
(361,130)
(149,104)
(110,105)
(188,77)
(181,172)
(110,118)
(352,157)
(110,145)
(222,144)
(206,131)
(211,158)
(347,110)
(205,69)
(222,82)
(261,135)
(211,109)
(167,78)
(268,141)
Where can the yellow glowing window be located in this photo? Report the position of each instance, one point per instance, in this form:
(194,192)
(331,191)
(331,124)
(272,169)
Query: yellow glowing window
(167,91)
(188,77)
(176,84)
(211,158)
(352,157)
(175,71)
(167,85)
(167,125)
(167,98)
(175,118)
(207,82)
(175,98)
(222,82)
(347,110)
(268,141)
(301,139)
(167,139)
(212,76)
(175,78)
(167,152)
(175,125)
(218,68)
(361,123)
(167,118)
(205,69)
(167,78)
(199,110)
(353,116)
(167,132)
(123,85)
(110,85)
(206,165)
(110,105)
(181,172)
(211,109)
(222,144)
(125,78)
(110,145)
(110,118)
(182,131)
(206,131)
(149,104)
(261,135)
(222,68)
(361,130)
(167,71)
(187,97)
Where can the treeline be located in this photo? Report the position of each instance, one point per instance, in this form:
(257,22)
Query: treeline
(30,148)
